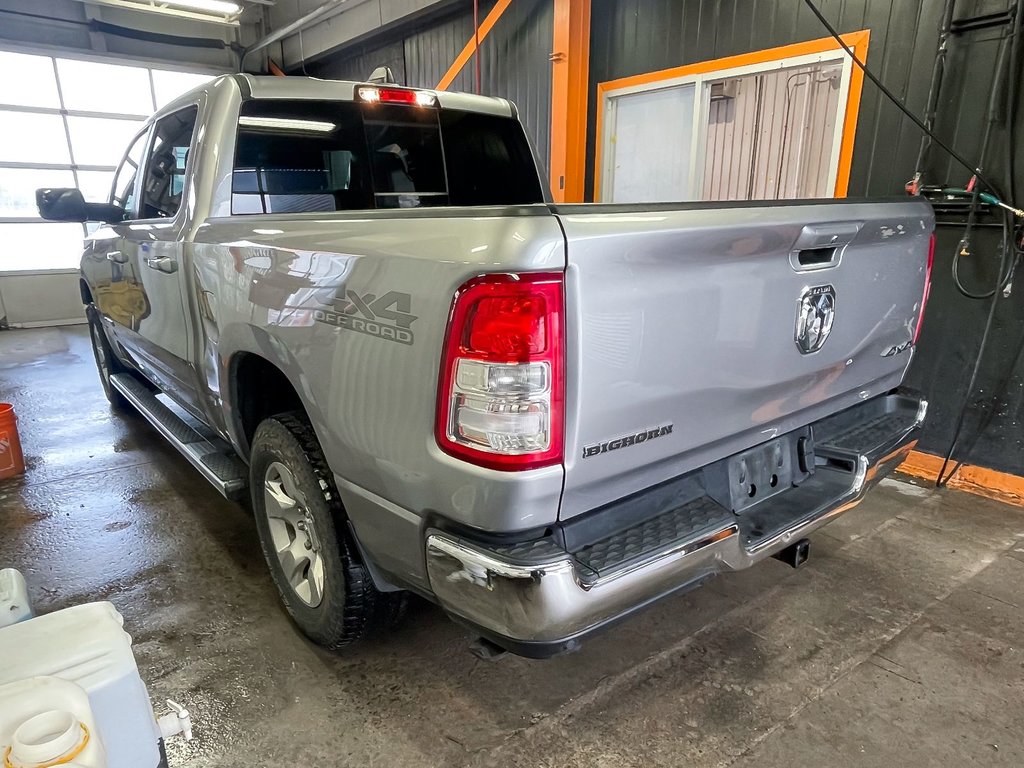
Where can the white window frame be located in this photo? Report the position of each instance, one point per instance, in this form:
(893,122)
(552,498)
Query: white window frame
(702,103)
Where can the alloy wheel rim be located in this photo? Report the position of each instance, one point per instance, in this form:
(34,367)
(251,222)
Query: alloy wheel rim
(293,537)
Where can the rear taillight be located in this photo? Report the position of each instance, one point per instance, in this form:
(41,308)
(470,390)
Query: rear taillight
(927,287)
(500,398)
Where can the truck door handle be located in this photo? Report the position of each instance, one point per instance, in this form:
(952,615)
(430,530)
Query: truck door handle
(827,235)
(821,246)
(117,257)
(166,264)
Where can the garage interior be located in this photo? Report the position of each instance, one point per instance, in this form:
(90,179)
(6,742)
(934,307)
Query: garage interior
(898,641)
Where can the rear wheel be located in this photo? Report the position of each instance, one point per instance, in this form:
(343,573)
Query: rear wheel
(301,523)
(107,363)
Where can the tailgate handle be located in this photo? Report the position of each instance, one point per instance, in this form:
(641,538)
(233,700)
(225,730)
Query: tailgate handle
(820,246)
(816,257)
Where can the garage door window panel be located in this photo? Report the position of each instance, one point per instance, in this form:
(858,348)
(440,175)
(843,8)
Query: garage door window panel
(33,138)
(40,246)
(18,189)
(87,86)
(100,141)
(62,128)
(35,84)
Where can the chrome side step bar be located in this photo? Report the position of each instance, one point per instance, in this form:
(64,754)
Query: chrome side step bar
(215,460)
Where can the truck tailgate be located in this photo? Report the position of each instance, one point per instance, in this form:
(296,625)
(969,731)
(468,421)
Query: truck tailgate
(683,336)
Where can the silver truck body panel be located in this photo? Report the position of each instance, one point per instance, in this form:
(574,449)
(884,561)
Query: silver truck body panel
(687,316)
(274,289)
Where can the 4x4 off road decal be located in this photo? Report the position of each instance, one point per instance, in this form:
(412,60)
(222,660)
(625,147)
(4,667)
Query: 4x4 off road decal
(387,317)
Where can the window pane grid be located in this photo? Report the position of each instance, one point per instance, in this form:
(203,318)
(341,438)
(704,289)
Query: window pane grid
(54,107)
(72,112)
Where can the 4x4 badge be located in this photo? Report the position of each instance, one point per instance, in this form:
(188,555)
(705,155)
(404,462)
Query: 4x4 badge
(815,312)
(388,317)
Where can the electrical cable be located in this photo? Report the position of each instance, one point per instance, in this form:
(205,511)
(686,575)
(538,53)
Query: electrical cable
(942,478)
(892,97)
(974,190)
(934,88)
(1013,78)
(1009,246)
(999,391)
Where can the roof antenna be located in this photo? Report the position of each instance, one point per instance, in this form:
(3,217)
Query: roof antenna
(382,76)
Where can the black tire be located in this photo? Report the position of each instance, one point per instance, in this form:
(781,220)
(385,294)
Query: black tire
(349,607)
(107,363)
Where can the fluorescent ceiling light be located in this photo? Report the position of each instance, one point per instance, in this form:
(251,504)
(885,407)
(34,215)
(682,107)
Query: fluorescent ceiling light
(287,123)
(214,6)
(217,11)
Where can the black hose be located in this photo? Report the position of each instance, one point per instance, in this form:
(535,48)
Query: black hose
(998,392)
(943,478)
(997,108)
(1013,80)
(1009,244)
(965,241)
(938,70)
(1009,247)
(893,98)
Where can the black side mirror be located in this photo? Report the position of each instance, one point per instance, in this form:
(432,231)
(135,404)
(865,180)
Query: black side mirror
(69,205)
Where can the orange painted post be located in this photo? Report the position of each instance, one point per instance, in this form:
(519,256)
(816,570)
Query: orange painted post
(570,82)
(858,42)
(12,462)
(478,37)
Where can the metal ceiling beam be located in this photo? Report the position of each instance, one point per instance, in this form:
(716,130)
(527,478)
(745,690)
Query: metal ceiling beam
(319,13)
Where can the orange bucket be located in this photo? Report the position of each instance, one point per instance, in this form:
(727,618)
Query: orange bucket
(12,462)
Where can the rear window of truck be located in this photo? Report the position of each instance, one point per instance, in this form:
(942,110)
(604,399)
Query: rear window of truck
(294,156)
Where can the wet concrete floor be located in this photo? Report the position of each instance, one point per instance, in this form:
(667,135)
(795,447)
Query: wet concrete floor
(900,643)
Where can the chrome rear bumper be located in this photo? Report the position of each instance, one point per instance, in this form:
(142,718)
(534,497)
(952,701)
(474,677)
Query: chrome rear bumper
(545,602)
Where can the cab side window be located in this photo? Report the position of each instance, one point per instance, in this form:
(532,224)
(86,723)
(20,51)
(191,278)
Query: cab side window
(164,181)
(122,191)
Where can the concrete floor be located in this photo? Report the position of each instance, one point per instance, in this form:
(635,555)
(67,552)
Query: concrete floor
(900,643)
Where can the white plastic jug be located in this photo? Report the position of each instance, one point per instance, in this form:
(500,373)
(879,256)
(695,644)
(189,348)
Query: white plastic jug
(88,646)
(14,604)
(46,721)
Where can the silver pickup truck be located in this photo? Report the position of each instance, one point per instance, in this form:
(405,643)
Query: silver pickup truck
(357,304)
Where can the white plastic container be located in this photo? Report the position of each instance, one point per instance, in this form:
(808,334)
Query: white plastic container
(44,721)
(14,604)
(87,645)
